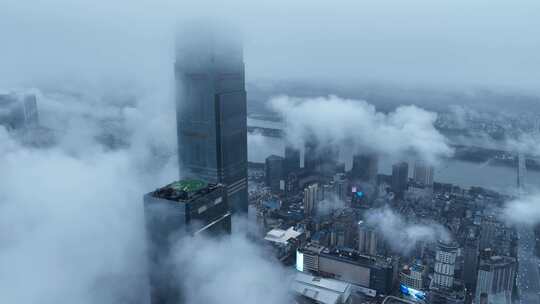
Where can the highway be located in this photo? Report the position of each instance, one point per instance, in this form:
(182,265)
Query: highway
(528,278)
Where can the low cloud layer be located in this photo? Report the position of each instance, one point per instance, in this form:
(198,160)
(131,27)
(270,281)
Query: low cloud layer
(356,125)
(403,235)
(231,270)
(523,211)
(71,217)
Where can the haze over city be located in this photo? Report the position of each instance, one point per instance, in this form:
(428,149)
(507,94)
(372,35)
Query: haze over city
(270,152)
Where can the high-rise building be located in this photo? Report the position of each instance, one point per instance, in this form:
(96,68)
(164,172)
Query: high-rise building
(180,209)
(18,111)
(291,163)
(488,230)
(367,239)
(274,172)
(470,261)
(320,159)
(445,263)
(400,178)
(311,198)
(423,174)
(211,113)
(365,167)
(340,186)
(496,276)
(413,276)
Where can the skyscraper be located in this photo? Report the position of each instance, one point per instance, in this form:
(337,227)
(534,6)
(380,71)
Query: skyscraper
(180,209)
(445,263)
(274,172)
(470,261)
(400,178)
(292,160)
(423,174)
(367,239)
(340,186)
(365,167)
(311,198)
(211,113)
(496,276)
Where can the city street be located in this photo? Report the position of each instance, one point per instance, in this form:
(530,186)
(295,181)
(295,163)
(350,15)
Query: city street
(528,279)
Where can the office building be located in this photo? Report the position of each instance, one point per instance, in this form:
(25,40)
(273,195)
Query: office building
(488,230)
(470,261)
(211,113)
(319,159)
(374,275)
(496,276)
(400,178)
(423,174)
(340,186)
(311,198)
(181,209)
(365,167)
(413,276)
(274,173)
(291,163)
(367,239)
(445,263)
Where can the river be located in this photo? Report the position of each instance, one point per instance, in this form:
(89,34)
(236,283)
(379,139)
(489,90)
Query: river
(461,173)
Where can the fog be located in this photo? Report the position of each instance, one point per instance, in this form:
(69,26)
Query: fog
(71,225)
(71,220)
(524,210)
(356,126)
(421,43)
(402,235)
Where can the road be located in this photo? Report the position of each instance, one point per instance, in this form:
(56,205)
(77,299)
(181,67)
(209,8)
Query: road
(528,278)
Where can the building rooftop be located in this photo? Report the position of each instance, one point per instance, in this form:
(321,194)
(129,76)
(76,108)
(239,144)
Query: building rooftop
(184,190)
(282,236)
(322,290)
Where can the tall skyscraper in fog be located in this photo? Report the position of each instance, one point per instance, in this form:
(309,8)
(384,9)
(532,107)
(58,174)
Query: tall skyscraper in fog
(365,167)
(423,174)
(400,178)
(211,113)
(180,209)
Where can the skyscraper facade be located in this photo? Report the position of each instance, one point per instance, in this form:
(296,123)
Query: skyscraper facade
(423,174)
(367,239)
(400,178)
(445,263)
(365,167)
(470,261)
(292,160)
(274,172)
(496,277)
(180,209)
(311,198)
(211,113)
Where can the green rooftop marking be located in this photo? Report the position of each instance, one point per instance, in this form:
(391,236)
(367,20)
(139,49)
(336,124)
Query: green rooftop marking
(188,185)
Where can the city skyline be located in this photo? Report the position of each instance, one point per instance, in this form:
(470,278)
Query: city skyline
(258,156)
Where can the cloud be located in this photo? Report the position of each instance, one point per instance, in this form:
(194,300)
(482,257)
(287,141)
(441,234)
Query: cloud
(527,143)
(71,41)
(356,125)
(260,147)
(231,270)
(523,211)
(71,220)
(403,235)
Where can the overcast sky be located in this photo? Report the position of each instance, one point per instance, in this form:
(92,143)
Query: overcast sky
(418,41)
